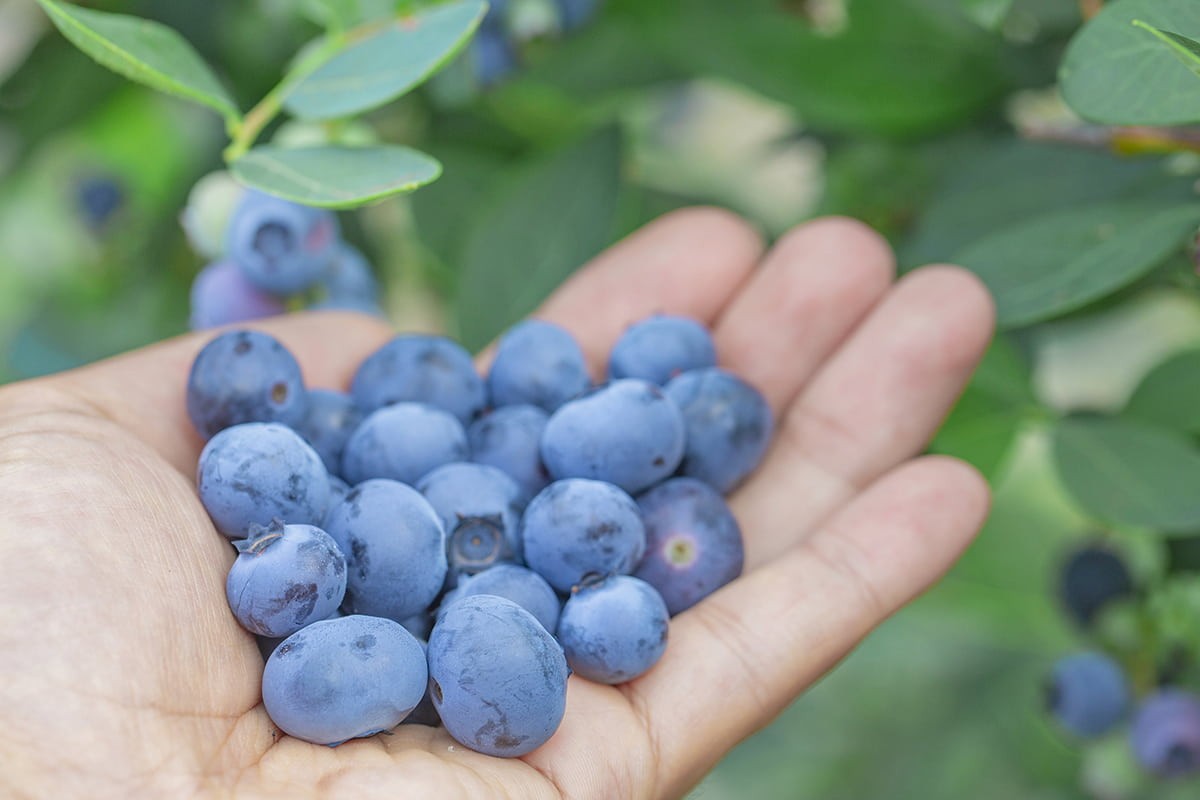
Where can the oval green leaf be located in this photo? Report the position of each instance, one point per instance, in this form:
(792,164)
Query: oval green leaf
(1125,472)
(336,177)
(1119,74)
(544,223)
(386,63)
(144,51)
(1061,262)
(1169,395)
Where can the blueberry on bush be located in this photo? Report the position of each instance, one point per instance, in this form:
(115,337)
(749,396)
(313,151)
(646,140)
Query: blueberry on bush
(283,247)
(1092,577)
(222,295)
(1088,694)
(1165,736)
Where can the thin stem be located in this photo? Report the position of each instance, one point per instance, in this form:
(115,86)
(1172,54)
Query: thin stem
(1128,140)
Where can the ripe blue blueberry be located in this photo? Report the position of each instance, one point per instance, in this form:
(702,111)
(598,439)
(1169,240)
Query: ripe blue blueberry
(420,369)
(282,247)
(1088,694)
(661,347)
(349,279)
(343,679)
(395,549)
(613,628)
(99,197)
(1165,735)
(729,426)
(693,543)
(493,55)
(537,363)
(221,295)
(403,442)
(574,14)
(498,678)
(627,433)
(244,376)
(477,505)
(331,418)
(576,527)
(1093,577)
(509,439)
(255,473)
(521,585)
(285,577)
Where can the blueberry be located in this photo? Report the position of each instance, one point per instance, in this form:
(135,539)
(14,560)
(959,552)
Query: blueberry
(613,628)
(420,369)
(1092,577)
(286,577)
(575,528)
(349,279)
(395,549)
(693,543)
(537,363)
(493,55)
(729,426)
(498,678)
(574,14)
(418,625)
(254,473)
(509,439)
(403,442)
(209,208)
(244,376)
(331,418)
(282,247)
(221,295)
(1165,735)
(661,347)
(267,644)
(1088,694)
(99,197)
(521,585)
(627,433)
(344,679)
(478,508)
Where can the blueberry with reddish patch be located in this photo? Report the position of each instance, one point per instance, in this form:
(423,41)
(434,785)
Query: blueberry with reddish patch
(255,473)
(509,439)
(537,363)
(576,527)
(498,678)
(512,582)
(395,549)
(729,426)
(331,418)
(693,543)
(1165,735)
(344,679)
(222,295)
(282,247)
(244,376)
(403,442)
(1088,694)
(613,628)
(661,347)
(415,368)
(627,433)
(285,577)
(478,508)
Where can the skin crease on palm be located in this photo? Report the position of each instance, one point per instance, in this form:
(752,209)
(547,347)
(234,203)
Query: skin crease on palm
(124,674)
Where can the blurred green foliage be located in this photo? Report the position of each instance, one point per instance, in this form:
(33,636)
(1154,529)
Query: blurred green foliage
(939,122)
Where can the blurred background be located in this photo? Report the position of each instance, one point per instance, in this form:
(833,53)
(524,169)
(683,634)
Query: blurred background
(936,121)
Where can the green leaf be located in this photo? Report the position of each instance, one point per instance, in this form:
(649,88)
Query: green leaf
(988,13)
(386,63)
(1057,263)
(550,219)
(143,51)
(1115,73)
(344,14)
(1128,473)
(1169,395)
(1188,50)
(335,177)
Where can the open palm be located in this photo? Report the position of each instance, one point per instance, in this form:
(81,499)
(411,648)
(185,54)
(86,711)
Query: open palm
(123,673)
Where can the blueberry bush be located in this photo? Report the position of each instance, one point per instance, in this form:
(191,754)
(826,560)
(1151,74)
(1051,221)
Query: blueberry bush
(471,156)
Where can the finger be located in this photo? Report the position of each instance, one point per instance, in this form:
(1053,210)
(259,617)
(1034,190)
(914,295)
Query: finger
(814,287)
(876,402)
(753,646)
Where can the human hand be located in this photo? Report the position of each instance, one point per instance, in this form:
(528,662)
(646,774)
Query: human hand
(123,672)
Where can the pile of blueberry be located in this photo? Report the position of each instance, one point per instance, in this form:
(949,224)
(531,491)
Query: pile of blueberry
(442,548)
(269,255)
(1091,694)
